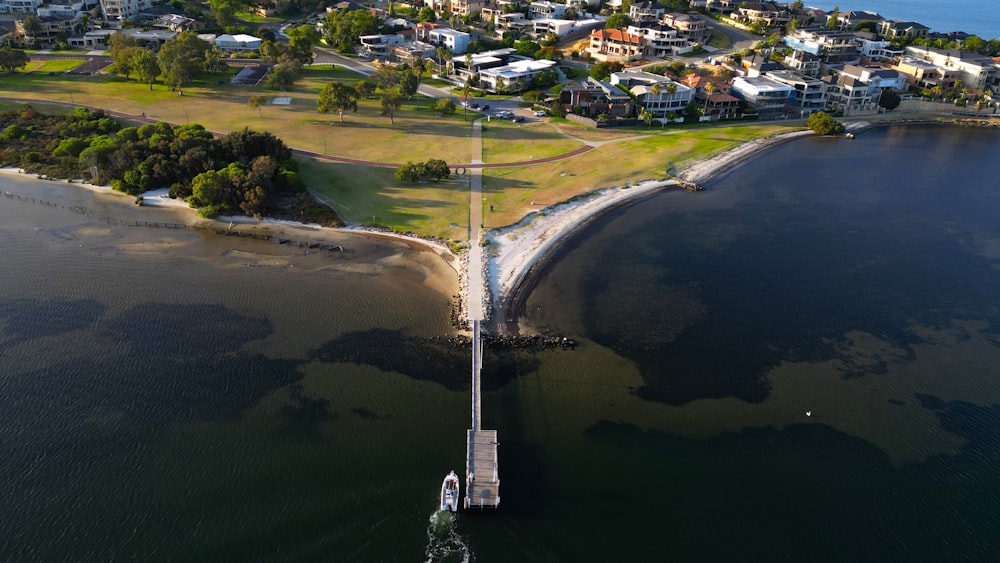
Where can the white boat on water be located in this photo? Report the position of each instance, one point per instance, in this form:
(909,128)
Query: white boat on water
(449,492)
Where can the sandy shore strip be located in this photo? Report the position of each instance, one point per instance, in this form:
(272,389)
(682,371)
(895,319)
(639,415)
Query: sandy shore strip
(520,250)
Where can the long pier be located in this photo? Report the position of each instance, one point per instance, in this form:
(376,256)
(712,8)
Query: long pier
(482,471)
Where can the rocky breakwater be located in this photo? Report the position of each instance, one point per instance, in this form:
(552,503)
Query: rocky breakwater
(529,343)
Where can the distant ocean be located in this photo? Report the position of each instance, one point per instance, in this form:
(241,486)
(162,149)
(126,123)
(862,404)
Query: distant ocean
(979,18)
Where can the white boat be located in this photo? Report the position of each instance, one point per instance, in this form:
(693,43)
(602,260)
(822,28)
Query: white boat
(449,492)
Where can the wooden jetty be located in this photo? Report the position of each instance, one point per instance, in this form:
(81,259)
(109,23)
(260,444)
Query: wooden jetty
(482,468)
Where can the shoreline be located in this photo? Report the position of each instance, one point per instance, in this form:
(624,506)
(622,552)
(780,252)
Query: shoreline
(524,250)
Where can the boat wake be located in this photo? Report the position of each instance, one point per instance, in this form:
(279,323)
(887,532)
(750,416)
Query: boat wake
(444,544)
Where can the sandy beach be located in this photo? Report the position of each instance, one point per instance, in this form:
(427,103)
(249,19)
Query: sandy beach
(522,250)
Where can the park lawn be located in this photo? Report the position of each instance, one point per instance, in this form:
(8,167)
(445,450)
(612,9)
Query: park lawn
(511,191)
(416,135)
(505,141)
(437,83)
(368,195)
(250,17)
(52,65)
(718,40)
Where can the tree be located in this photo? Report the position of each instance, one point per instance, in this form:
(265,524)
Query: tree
(257,102)
(224,11)
(365,87)
(444,106)
(823,124)
(831,22)
(409,82)
(889,100)
(386,77)
(603,71)
(344,27)
(181,58)
(12,59)
(32,26)
(339,97)
(392,99)
(647,117)
(145,66)
(426,14)
(282,75)
(301,40)
(618,21)
(443,55)
(122,47)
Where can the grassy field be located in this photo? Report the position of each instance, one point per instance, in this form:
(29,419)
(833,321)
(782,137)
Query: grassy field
(53,65)
(367,195)
(718,39)
(511,191)
(505,141)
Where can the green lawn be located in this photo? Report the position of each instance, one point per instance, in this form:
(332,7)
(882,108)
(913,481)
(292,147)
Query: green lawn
(366,195)
(505,141)
(719,40)
(53,65)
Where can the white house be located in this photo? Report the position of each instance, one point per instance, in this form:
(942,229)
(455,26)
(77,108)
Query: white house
(546,9)
(543,27)
(513,75)
(122,10)
(455,40)
(658,94)
(19,6)
(768,96)
(240,43)
(661,40)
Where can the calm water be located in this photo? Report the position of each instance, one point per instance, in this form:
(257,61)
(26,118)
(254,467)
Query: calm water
(162,400)
(970,16)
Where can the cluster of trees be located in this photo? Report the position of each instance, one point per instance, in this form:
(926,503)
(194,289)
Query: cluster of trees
(179,60)
(344,27)
(433,169)
(11,60)
(394,83)
(823,124)
(243,172)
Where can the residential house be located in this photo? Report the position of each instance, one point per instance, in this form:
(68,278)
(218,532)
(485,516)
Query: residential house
(514,76)
(758,65)
(543,27)
(900,29)
(411,51)
(615,45)
(178,23)
(479,62)
(877,50)
(857,89)
(50,28)
(98,38)
(595,97)
(68,9)
(456,41)
(514,22)
(546,9)
(653,92)
(766,95)
(706,84)
(802,62)
(767,12)
(688,27)
(19,6)
(926,75)
(847,20)
(832,47)
(239,43)
(463,8)
(808,93)
(122,10)
(724,7)
(719,105)
(976,71)
(645,12)
(380,46)
(660,40)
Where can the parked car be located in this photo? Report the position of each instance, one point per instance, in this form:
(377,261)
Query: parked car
(485,107)
(540,113)
(517,118)
(474,106)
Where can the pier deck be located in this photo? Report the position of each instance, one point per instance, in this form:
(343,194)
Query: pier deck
(482,467)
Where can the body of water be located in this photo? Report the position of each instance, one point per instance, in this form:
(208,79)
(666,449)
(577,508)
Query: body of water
(977,18)
(178,395)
